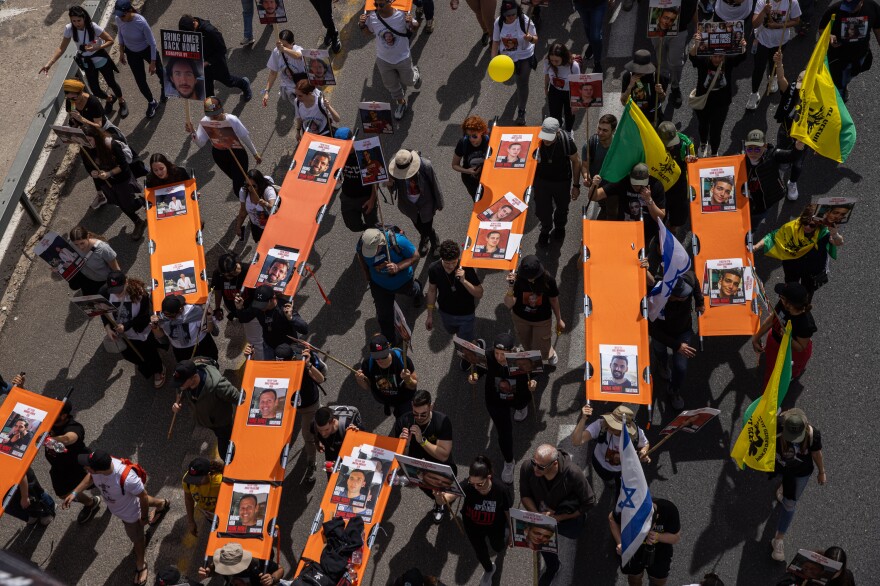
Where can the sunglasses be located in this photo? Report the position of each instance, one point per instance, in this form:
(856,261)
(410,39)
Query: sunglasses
(424,415)
(542,467)
(754,149)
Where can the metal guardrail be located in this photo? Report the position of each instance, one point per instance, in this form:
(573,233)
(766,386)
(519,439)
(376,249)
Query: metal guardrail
(12,190)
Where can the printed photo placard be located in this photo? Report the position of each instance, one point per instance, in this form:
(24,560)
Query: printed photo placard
(533,531)
(720,38)
(319,69)
(718,189)
(318,162)
(663,17)
(726,282)
(469,352)
(382,459)
(170,201)
(93,305)
(354,483)
(267,402)
(835,210)
(403,329)
(492,240)
(691,421)
(585,90)
(71,135)
(247,511)
(180,278)
(19,429)
(506,209)
(814,568)
(184,64)
(371,161)
(278,267)
(620,368)
(376,117)
(528,362)
(513,150)
(429,475)
(221,134)
(271,11)
(60,255)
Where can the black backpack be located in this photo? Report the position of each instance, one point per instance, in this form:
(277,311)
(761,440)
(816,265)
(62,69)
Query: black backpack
(347,416)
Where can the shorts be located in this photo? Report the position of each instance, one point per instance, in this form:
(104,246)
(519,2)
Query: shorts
(659,567)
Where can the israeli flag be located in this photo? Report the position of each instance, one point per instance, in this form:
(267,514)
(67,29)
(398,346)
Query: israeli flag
(634,503)
(675,263)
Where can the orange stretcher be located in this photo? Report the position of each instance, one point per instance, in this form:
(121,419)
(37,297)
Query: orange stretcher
(615,313)
(723,231)
(177,252)
(315,544)
(405,5)
(22,411)
(502,198)
(280,258)
(256,531)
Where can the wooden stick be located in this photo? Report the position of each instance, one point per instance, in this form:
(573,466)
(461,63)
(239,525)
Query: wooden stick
(656,93)
(92,161)
(452,513)
(536,563)
(661,442)
(316,349)
(238,163)
(174,416)
(188,115)
(127,341)
(781,42)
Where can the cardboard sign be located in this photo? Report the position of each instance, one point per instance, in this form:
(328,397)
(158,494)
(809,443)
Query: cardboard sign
(271,11)
(267,401)
(376,117)
(663,18)
(278,267)
(60,255)
(19,429)
(691,421)
(429,475)
(718,189)
(835,210)
(720,38)
(184,64)
(813,567)
(469,352)
(495,240)
(247,513)
(726,283)
(533,531)
(371,161)
(319,69)
(221,134)
(71,135)
(513,150)
(318,162)
(620,367)
(585,90)
(94,305)
(520,363)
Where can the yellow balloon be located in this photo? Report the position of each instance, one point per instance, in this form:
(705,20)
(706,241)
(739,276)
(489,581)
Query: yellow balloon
(501,68)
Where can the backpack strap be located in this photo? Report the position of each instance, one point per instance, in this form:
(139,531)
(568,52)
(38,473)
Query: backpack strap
(125,472)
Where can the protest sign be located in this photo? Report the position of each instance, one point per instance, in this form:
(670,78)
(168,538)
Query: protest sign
(183,58)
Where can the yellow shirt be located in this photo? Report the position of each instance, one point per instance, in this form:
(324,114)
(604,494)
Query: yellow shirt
(205,495)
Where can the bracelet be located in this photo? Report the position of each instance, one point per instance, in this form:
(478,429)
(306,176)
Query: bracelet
(423,443)
(266,91)
(431,306)
(73,493)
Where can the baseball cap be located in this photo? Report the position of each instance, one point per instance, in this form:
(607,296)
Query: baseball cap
(549,129)
(639,174)
(284,352)
(122,6)
(198,472)
(184,371)
(509,8)
(262,296)
(96,460)
(850,6)
(794,425)
(668,133)
(531,267)
(504,341)
(172,304)
(343,133)
(755,138)
(380,347)
(371,240)
(213,106)
(794,292)
(116,282)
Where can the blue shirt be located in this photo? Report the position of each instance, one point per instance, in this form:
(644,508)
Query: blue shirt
(136,35)
(383,279)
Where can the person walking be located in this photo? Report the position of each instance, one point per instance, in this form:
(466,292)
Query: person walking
(507,397)
(671,44)
(312,110)
(123,491)
(558,66)
(393,30)
(223,152)
(279,321)
(214,50)
(680,148)
(608,431)
(592,15)
(201,487)
(786,112)
(642,83)
(181,326)
(793,306)
(593,156)
(91,42)
(850,52)
(557,181)
(324,8)
(419,197)
(798,454)
(388,376)
(484,11)
(257,198)
(775,22)
(329,426)
(654,555)
(285,63)
(485,514)
(639,197)
(533,297)
(763,162)
(212,397)
(514,35)
(454,291)
(100,261)
(164,172)
(470,153)
(357,201)
(137,46)
(32,504)
(132,320)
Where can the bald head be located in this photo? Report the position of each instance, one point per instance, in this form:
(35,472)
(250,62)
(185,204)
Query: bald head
(546,452)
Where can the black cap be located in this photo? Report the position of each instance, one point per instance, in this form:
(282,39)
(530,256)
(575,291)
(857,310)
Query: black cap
(284,352)
(198,471)
(531,267)
(380,347)
(262,296)
(184,371)
(185,24)
(116,282)
(796,293)
(97,460)
(505,341)
(227,263)
(508,7)
(167,577)
(173,304)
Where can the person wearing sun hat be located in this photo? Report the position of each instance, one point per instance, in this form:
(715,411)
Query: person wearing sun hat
(419,197)
(201,485)
(640,82)
(793,306)
(607,432)
(850,50)
(233,561)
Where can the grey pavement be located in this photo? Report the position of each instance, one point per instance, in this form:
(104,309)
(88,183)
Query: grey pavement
(727,515)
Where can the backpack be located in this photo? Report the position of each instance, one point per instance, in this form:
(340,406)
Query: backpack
(129,466)
(329,130)
(522,23)
(395,352)
(347,416)
(126,150)
(313,575)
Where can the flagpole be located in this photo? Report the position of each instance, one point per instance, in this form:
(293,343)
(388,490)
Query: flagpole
(659,64)
(779,49)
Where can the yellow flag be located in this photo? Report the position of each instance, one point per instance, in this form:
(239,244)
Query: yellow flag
(756,445)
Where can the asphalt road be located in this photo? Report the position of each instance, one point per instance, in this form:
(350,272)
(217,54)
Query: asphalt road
(727,516)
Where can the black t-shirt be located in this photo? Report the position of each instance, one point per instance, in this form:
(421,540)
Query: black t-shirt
(64,465)
(471,156)
(852,29)
(351,184)
(253,571)
(812,264)
(796,460)
(92,111)
(438,428)
(802,325)
(308,389)
(276,326)
(631,204)
(487,511)
(533,298)
(387,384)
(787,108)
(595,153)
(666,520)
(229,288)
(332,443)
(452,297)
(644,93)
(501,388)
(554,163)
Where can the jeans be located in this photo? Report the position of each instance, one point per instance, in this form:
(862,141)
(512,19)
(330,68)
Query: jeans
(383,299)
(136,60)
(247,17)
(842,72)
(549,195)
(789,506)
(679,361)
(428,6)
(462,325)
(593,20)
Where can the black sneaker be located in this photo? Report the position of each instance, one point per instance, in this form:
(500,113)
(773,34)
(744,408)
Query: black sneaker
(163,98)
(336,45)
(418,298)
(248,94)
(108,106)
(558,235)
(151,108)
(676,400)
(123,109)
(88,513)
(484,40)
(437,513)
(543,240)
(310,473)
(675,97)
(423,246)
(588,53)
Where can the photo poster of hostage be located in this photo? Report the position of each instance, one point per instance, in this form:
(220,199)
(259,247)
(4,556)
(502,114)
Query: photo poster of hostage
(506,209)
(94,305)
(469,352)
(813,567)
(718,189)
(526,363)
(513,150)
(720,38)
(60,255)
(494,240)
(404,332)
(180,278)
(355,492)
(271,11)
(278,267)
(318,162)
(533,531)
(726,283)
(691,421)
(429,475)
(267,402)
(376,117)
(585,90)
(247,511)
(184,64)
(620,368)
(835,210)
(71,135)
(221,134)
(19,429)
(170,201)
(319,69)
(663,18)
(382,459)
(371,161)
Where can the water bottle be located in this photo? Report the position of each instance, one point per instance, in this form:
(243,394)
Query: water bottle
(55,446)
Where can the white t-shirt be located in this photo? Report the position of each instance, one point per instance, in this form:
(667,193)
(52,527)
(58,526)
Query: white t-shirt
(559,79)
(612,445)
(125,506)
(313,114)
(257,213)
(82,38)
(511,38)
(286,71)
(390,48)
(772,37)
(728,12)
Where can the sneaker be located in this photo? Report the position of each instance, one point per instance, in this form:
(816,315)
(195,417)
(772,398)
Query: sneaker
(752,104)
(336,45)
(520,118)
(151,108)
(676,400)
(778,550)
(429,27)
(676,98)
(399,110)
(310,473)
(520,415)
(774,85)
(423,246)
(123,109)
(246,42)
(792,194)
(417,77)
(554,358)
(704,151)
(108,106)
(484,40)
(628,5)
(588,52)
(420,12)
(507,472)
(88,513)
(437,513)
(543,239)
(44,521)
(99,201)
(159,379)
(248,94)
(138,231)
(486,580)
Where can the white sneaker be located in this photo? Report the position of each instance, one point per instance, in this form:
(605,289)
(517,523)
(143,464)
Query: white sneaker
(554,359)
(486,580)
(507,474)
(704,151)
(399,111)
(752,104)
(778,550)
(774,85)
(99,201)
(521,414)
(417,76)
(792,194)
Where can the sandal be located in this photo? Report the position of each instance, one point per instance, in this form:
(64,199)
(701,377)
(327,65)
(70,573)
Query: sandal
(160,512)
(137,573)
